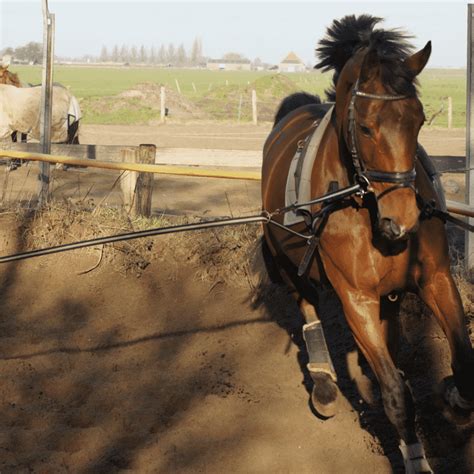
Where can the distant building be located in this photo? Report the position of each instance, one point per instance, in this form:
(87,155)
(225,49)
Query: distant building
(291,63)
(229,64)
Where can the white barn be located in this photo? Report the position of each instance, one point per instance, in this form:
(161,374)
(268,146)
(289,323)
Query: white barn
(292,63)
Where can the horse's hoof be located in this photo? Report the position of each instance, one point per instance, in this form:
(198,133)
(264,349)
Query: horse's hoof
(324,394)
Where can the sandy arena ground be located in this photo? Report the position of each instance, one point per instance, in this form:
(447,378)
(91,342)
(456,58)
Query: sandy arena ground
(160,369)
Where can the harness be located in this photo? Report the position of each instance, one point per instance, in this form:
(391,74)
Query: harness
(363,178)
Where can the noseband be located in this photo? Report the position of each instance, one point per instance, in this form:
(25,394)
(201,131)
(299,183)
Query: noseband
(404,179)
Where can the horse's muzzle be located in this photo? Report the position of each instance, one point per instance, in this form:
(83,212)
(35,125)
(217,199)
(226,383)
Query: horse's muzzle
(391,230)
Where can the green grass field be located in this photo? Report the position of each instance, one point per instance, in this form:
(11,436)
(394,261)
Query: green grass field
(206,88)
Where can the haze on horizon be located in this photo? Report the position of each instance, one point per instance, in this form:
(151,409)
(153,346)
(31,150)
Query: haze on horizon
(267,30)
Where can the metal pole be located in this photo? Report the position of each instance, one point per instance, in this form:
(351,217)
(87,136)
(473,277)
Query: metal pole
(46,101)
(469,239)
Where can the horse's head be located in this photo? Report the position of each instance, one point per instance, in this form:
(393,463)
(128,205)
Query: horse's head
(7,77)
(380,116)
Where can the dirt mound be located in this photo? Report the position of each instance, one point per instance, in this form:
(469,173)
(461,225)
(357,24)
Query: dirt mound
(225,102)
(139,105)
(160,356)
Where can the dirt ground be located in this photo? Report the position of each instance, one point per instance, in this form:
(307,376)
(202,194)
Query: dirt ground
(166,359)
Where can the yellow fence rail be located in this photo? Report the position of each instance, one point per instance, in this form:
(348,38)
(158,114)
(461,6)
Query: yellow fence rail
(140,167)
(454,207)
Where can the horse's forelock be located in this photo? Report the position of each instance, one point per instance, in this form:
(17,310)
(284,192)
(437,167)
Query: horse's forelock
(347,37)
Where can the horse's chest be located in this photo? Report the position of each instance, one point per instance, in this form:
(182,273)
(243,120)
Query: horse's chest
(347,251)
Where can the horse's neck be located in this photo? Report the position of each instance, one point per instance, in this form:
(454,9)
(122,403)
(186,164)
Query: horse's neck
(329,166)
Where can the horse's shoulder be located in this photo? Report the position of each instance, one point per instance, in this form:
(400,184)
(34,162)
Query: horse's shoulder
(297,119)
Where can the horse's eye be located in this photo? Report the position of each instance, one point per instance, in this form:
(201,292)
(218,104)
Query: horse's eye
(365,130)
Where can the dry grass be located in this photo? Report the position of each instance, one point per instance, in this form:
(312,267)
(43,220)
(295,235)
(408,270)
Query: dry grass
(218,255)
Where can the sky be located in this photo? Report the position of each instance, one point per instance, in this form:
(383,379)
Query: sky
(264,29)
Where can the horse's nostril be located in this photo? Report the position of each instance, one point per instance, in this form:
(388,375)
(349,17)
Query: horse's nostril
(390,228)
(395,228)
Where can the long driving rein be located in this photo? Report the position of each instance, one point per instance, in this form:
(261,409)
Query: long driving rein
(401,179)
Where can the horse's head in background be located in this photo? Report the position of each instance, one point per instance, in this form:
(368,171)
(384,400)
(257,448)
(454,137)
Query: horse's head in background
(7,77)
(378,117)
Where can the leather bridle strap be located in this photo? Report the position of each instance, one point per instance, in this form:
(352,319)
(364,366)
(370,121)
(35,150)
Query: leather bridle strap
(391,177)
(401,179)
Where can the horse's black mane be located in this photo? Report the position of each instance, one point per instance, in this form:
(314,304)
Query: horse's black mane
(346,36)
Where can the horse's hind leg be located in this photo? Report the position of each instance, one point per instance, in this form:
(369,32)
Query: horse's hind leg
(439,292)
(324,393)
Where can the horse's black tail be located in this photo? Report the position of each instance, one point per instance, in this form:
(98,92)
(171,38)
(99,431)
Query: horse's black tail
(73,133)
(294,101)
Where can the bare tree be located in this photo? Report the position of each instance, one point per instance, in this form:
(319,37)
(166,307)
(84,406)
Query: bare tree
(171,54)
(143,54)
(104,54)
(196,51)
(181,55)
(152,56)
(124,54)
(162,54)
(133,54)
(115,54)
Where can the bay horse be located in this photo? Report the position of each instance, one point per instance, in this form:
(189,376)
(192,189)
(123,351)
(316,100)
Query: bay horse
(8,77)
(379,243)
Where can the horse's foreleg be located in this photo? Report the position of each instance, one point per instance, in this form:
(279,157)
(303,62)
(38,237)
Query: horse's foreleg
(320,367)
(362,311)
(389,316)
(439,292)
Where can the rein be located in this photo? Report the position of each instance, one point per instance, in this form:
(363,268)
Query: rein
(329,200)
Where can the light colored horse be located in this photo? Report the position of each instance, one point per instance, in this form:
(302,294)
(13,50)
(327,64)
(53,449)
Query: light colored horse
(20,112)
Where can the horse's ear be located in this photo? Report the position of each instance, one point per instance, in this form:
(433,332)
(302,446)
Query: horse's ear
(370,66)
(417,61)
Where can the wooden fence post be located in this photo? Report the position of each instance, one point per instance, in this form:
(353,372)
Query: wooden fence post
(162,103)
(239,113)
(129,179)
(450,113)
(254,106)
(144,186)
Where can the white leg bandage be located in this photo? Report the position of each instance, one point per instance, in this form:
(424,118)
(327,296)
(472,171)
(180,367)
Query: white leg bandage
(414,458)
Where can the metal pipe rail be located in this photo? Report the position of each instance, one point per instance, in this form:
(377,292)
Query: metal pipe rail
(135,235)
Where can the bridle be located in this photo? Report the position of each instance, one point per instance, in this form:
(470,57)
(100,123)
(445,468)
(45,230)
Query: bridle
(364,176)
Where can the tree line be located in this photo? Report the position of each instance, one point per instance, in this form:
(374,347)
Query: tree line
(163,54)
(169,54)
(30,52)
